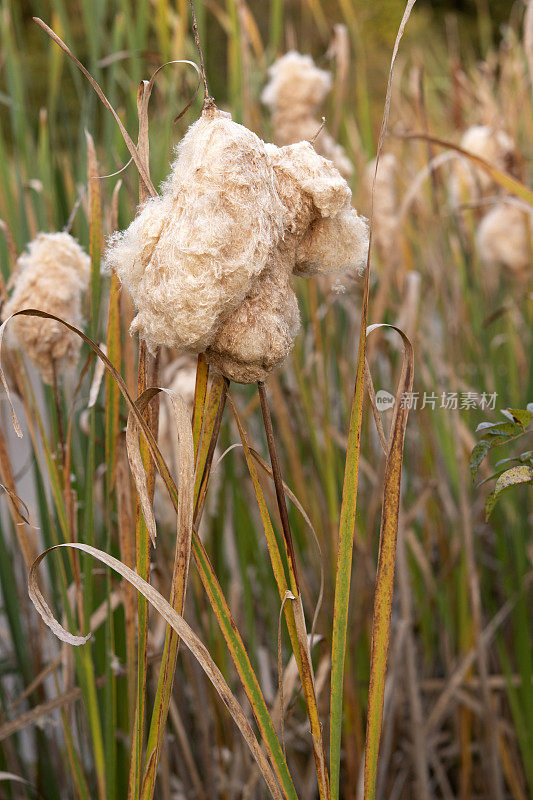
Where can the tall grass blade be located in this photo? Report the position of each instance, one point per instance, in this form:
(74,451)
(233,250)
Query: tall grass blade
(178,624)
(349,491)
(207,574)
(386,565)
(504,180)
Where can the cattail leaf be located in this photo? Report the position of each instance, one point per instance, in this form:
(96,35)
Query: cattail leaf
(127,138)
(112,405)
(179,577)
(95,231)
(10,777)
(293,613)
(140,477)
(351,473)
(209,580)
(386,566)
(200,393)
(212,416)
(504,180)
(126,537)
(178,624)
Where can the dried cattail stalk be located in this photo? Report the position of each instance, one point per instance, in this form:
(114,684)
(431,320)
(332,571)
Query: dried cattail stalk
(386,204)
(470,183)
(52,277)
(505,239)
(208,263)
(295,94)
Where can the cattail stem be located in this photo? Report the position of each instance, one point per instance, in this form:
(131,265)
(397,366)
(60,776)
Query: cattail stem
(278,483)
(207,98)
(209,458)
(319,131)
(59,413)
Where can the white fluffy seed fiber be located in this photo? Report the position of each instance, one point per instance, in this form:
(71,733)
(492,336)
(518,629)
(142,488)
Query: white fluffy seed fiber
(505,240)
(469,183)
(51,276)
(184,260)
(208,264)
(295,94)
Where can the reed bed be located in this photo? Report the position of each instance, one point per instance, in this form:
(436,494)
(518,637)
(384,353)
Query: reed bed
(259,589)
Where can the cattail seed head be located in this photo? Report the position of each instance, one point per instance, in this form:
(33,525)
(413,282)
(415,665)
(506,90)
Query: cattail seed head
(208,263)
(297,87)
(51,276)
(185,261)
(294,94)
(505,240)
(471,183)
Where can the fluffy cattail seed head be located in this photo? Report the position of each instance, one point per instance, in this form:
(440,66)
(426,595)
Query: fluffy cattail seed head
(185,260)
(297,86)
(505,239)
(471,183)
(294,94)
(51,276)
(208,263)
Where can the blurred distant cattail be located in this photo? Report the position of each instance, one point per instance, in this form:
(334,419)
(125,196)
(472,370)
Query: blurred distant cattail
(386,204)
(52,277)
(295,94)
(208,263)
(528,39)
(180,377)
(469,183)
(504,240)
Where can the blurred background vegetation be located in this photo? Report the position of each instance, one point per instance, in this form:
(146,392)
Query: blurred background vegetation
(459,703)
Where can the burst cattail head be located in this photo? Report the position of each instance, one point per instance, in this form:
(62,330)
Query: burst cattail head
(208,263)
(473,183)
(505,240)
(51,276)
(296,86)
(294,94)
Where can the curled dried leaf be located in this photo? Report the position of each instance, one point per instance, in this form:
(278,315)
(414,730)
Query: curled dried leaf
(177,623)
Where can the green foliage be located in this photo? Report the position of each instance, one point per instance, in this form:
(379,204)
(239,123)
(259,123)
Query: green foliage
(495,434)
(466,337)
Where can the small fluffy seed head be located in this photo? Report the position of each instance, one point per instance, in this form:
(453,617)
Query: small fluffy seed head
(51,276)
(208,264)
(294,94)
(505,239)
(296,86)
(470,183)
